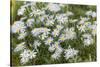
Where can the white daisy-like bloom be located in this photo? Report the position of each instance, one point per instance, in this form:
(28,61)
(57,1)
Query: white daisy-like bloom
(55,56)
(87,39)
(30,22)
(22,35)
(88,42)
(84,27)
(62,37)
(32,54)
(26,55)
(55,32)
(51,48)
(83,20)
(43,17)
(94,28)
(43,36)
(57,53)
(70,33)
(21,10)
(62,18)
(81,28)
(89,13)
(36,44)
(70,53)
(37,31)
(20,47)
(18,26)
(49,22)
(48,41)
(59,27)
(53,7)
(94,14)
(37,12)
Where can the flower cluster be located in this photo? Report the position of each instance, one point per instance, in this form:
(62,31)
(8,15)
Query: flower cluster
(48,26)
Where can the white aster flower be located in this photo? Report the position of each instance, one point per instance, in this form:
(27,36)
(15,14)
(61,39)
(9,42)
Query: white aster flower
(55,56)
(30,22)
(70,33)
(89,13)
(48,41)
(20,47)
(53,7)
(18,26)
(59,27)
(32,54)
(22,35)
(81,28)
(70,53)
(37,31)
(94,14)
(43,36)
(51,48)
(49,22)
(55,32)
(21,11)
(36,44)
(26,55)
(87,39)
(62,37)
(62,18)
(57,53)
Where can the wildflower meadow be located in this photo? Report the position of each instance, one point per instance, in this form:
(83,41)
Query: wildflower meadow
(52,33)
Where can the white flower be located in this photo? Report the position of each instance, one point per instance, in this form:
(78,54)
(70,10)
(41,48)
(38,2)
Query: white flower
(55,32)
(81,28)
(22,35)
(20,47)
(18,26)
(62,37)
(59,27)
(87,39)
(32,54)
(48,41)
(62,18)
(51,48)
(70,53)
(36,44)
(53,7)
(57,53)
(83,20)
(49,22)
(26,55)
(55,56)
(43,36)
(69,33)
(30,22)
(89,13)
(38,31)
(88,42)
(94,14)
(21,11)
